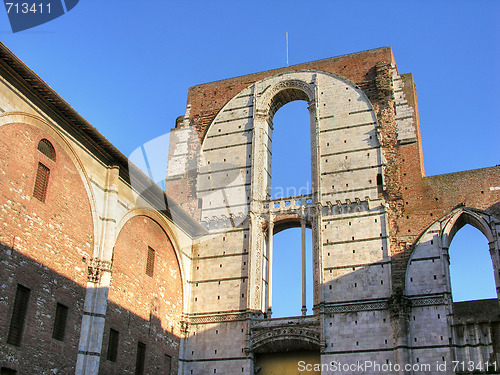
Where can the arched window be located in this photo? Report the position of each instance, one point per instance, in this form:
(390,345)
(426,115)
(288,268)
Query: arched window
(43,171)
(291,151)
(46,148)
(471,267)
(41,182)
(290,177)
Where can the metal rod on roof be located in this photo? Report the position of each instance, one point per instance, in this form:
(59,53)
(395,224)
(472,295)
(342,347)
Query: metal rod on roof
(287,48)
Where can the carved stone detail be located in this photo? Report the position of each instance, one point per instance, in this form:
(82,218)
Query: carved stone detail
(218,318)
(268,94)
(286,335)
(95,269)
(352,307)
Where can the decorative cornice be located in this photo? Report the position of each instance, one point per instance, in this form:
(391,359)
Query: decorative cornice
(218,318)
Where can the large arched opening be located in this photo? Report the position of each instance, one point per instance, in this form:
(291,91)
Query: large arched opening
(291,151)
(287,273)
(292,273)
(473,264)
(471,267)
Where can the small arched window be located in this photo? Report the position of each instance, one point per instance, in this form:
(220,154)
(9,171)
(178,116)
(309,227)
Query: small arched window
(46,148)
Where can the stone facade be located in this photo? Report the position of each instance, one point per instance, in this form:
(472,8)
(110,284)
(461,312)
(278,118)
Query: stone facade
(371,210)
(186,278)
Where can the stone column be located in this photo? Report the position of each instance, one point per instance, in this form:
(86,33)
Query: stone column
(258,194)
(270,267)
(400,309)
(99,280)
(303,230)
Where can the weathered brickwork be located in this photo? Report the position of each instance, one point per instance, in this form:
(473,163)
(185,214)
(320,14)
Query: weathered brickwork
(156,288)
(208,99)
(370,207)
(46,227)
(41,249)
(142,307)
(75,245)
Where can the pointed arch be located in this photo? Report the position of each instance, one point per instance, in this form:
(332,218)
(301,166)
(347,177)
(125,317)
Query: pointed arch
(169,230)
(464,216)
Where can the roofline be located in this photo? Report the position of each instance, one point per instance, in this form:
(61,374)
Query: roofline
(58,107)
(45,93)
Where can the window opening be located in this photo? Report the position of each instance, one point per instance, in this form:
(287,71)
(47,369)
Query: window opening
(113,345)
(18,319)
(287,273)
(150,263)
(7,371)
(471,268)
(140,359)
(60,322)
(291,151)
(380,186)
(41,182)
(168,364)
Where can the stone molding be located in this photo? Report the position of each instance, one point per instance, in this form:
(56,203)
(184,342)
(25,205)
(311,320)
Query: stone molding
(380,305)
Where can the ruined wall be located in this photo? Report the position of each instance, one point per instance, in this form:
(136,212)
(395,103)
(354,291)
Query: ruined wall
(371,204)
(346,210)
(207,100)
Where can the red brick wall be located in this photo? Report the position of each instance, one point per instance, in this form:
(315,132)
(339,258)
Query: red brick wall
(44,246)
(426,199)
(207,100)
(429,198)
(135,296)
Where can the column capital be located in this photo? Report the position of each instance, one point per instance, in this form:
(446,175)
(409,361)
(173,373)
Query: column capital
(271,219)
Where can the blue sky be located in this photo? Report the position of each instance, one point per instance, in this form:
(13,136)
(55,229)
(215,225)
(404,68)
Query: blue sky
(126,65)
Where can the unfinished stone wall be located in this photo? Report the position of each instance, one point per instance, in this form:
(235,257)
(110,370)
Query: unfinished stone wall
(370,203)
(381,230)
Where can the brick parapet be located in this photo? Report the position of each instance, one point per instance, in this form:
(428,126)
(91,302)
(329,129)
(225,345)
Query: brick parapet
(208,99)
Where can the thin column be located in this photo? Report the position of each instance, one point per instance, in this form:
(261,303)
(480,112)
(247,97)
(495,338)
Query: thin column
(99,281)
(496,266)
(270,267)
(303,229)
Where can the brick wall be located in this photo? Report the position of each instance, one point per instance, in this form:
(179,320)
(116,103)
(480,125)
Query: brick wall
(141,307)
(44,247)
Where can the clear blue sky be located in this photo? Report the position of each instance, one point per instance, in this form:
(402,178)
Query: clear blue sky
(126,65)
